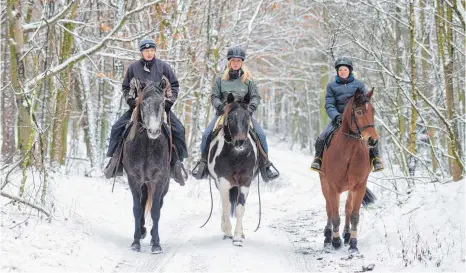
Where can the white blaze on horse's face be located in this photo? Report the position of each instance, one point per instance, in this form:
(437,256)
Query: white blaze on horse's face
(151,113)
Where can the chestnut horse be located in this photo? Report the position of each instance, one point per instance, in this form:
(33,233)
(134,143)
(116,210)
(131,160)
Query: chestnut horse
(346,167)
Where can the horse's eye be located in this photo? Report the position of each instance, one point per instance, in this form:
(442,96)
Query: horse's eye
(359,112)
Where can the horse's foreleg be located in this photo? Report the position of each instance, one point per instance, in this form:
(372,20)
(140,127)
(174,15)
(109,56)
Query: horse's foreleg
(358,195)
(239,233)
(328,207)
(224,188)
(157,196)
(348,210)
(334,197)
(138,212)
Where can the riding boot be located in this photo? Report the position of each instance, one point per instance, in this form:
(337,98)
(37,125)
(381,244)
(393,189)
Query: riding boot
(265,167)
(177,168)
(377,164)
(200,171)
(111,170)
(317,163)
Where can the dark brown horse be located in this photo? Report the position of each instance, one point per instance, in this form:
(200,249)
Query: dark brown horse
(346,167)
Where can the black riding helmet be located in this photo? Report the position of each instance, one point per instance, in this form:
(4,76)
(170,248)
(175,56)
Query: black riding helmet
(236,52)
(344,61)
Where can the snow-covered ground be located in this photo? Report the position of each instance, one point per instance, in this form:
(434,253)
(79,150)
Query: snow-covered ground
(92,228)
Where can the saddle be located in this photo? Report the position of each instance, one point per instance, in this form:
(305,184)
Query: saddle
(330,136)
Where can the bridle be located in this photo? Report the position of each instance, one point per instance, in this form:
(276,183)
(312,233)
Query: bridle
(357,135)
(140,98)
(226,125)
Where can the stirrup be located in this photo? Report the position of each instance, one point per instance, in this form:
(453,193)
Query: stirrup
(263,170)
(183,178)
(373,165)
(201,171)
(314,168)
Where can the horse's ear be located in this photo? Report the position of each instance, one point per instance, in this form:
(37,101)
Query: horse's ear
(358,94)
(247,98)
(230,98)
(369,95)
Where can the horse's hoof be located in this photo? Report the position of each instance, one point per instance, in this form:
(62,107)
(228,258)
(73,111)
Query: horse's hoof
(327,233)
(136,247)
(144,233)
(227,237)
(156,249)
(353,250)
(327,242)
(336,242)
(346,237)
(237,242)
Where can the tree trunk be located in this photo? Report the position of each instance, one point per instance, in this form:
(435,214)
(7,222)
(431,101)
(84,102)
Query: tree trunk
(414,114)
(16,44)
(61,116)
(8,106)
(446,51)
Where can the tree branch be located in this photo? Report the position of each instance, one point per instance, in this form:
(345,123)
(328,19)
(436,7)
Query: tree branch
(48,22)
(90,51)
(15,198)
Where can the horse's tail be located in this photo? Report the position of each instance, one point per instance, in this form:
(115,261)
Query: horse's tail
(149,200)
(233,200)
(369,198)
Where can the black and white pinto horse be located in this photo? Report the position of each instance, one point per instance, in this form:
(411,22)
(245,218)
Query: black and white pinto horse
(233,163)
(146,160)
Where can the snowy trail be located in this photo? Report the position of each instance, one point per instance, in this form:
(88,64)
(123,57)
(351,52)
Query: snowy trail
(92,229)
(187,248)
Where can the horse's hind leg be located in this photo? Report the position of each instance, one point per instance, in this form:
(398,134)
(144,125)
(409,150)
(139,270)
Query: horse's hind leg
(143,205)
(137,213)
(239,234)
(224,188)
(348,210)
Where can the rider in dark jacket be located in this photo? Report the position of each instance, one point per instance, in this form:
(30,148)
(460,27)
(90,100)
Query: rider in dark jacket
(149,68)
(338,93)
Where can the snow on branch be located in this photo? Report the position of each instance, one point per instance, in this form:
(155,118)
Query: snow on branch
(89,51)
(48,22)
(15,198)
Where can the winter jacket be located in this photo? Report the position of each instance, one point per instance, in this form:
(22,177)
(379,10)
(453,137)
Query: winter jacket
(338,94)
(239,89)
(157,69)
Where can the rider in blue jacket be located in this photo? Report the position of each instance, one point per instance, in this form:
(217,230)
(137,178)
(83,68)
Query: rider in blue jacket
(338,93)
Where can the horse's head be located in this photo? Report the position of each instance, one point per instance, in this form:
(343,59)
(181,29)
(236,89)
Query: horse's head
(151,106)
(237,119)
(358,118)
